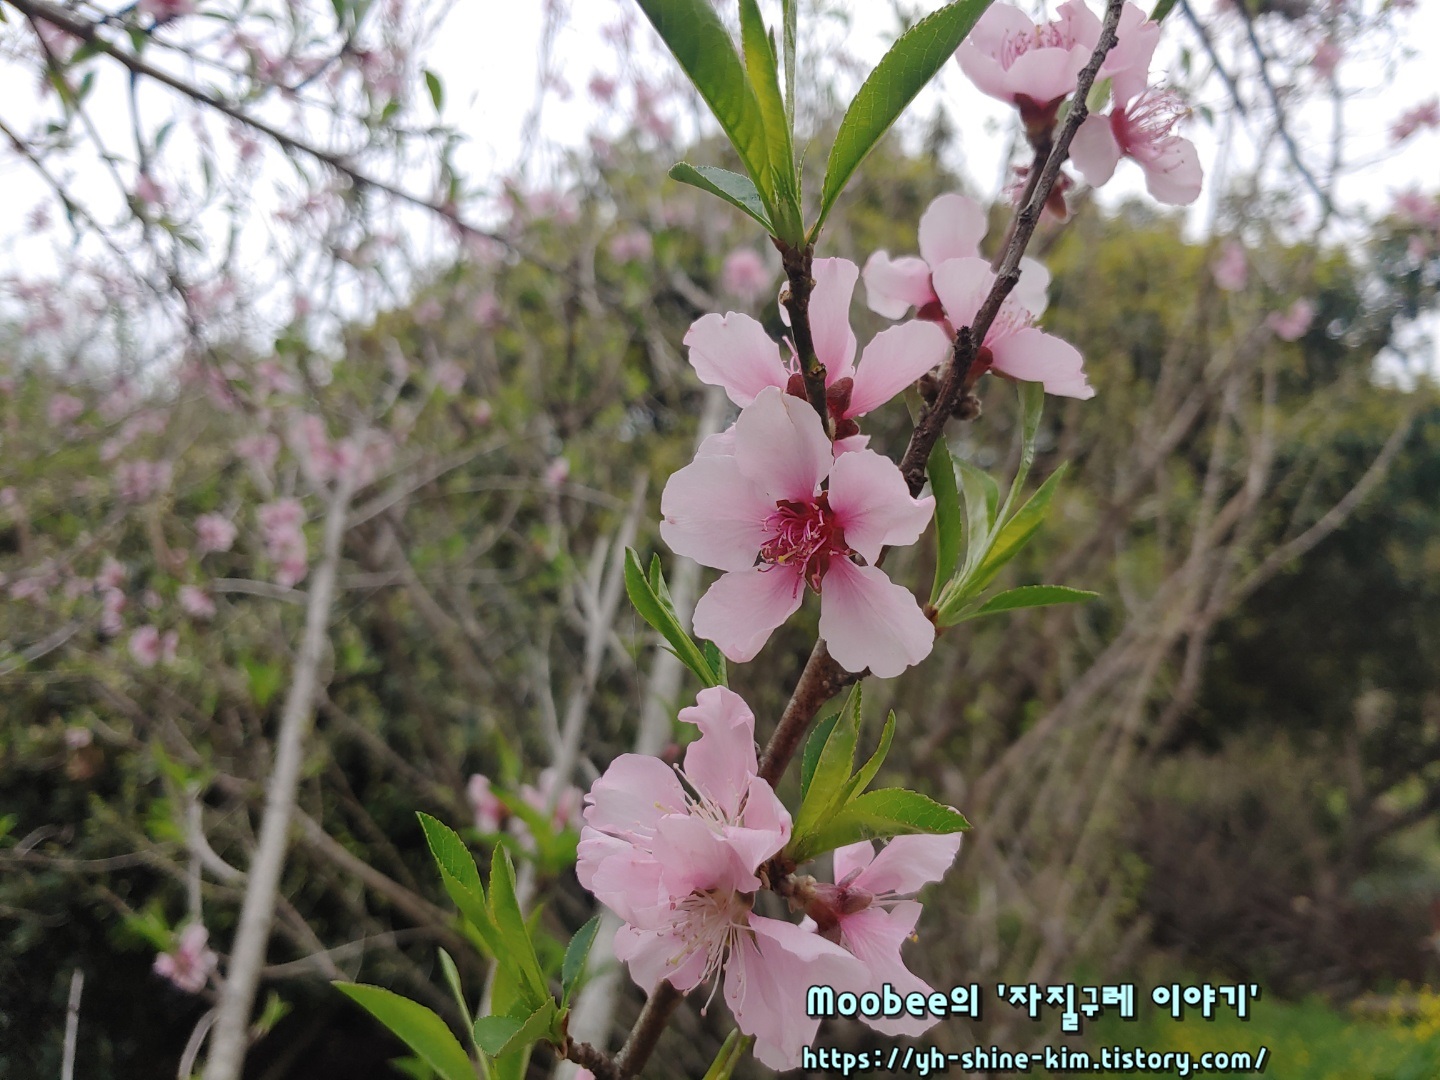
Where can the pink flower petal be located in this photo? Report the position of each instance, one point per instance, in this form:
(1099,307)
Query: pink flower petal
(907,864)
(656,955)
(894,286)
(1094,150)
(722,761)
(870,622)
(961,285)
(1128,64)
(893,360)
(876,936)
(830,315)
(1173,174)
(781,446)
(1032,291)
(1035,356)
(734,351)
(873,505)
(852,859)
(714,513)
(632,795)
(951,228)
(767,979)
(744,607)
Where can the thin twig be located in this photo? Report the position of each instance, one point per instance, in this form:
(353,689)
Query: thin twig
(72,1025)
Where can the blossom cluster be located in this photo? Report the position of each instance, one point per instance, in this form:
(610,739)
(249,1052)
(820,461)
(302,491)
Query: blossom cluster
(681,855)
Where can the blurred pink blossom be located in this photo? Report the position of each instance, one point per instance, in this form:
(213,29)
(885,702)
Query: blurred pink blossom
(261,450)
(141,480)
(64,409)
(633,245)
(1291,325)
(556,473)
(281,527)
(745,276)
(191,963)
(1230,269)
(449,376)
(216,532)
(196,602)
(490,813)
(1326,58)
(1422,116)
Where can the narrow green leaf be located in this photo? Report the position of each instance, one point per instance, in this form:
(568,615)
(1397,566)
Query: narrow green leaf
(700,44)
(1019,530)
(716,659)
(982,503)
(1032,405)
(1162,8)
(1031,596)
(902,73)
(510,921)
(732,1050)
(948,530)
(761,65)
(452,979)
(660,613)
(739,191)
(813,745)
(461,879)
(861,780)
(576,953)
(877,815)
(436,88)
(833,770)
(789,11)
(416,1026)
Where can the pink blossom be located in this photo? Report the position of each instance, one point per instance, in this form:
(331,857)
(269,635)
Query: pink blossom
(77,738)
(149,191)
(1231,270)
(1012,346)
(486,310)
(865,911)
(1030,65)
(566,812)
(1424,115)
(449,376)
(64,409)
(489,811)
(141,480)
(755,509)
(1413,208)
(165,10)
(678,863)
(428,311)
(602,89)
(145,646)
(1143,129)
(951,228)
(733,351)
(280,525)
(633,245)
(1326,58)
(1293,323)
(745,276)
(191,963)
(196,602)
(260,450)
(556,473)
(112,607)
(112,574)
(215,532)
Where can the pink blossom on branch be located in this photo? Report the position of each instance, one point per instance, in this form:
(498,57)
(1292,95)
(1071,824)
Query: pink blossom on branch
(1012,345)
(677,861)
(745,276)
(1231,270)
(734,352)
(756,509)
(951,228)
(489,811)
(191,963)
(216,532)
(866,911)
(1291,325)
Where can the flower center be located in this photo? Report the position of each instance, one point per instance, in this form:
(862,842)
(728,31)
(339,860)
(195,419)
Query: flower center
(804,534)
(1149,120)
(1048,36)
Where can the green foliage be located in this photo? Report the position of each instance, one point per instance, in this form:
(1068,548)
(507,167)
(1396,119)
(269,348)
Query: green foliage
(419,1028)
(651,597)
(835,808)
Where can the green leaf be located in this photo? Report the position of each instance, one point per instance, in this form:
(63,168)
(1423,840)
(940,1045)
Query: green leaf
(789,12)
(716,659)
(902,73)
(813,745)
(697,38)
(416,1026)
(836,763)
(941,470)
(876,815)
(576,953)
(493,1032)
(508,1034)
(452,979)
(760,64)
(739,191)
(732,1050)
(461,879)
(1162,8)
(514,934)
(861,780)
(1019,530)
(436,88)
(982,503)
(1031,596)
(657,610)
(1032,405)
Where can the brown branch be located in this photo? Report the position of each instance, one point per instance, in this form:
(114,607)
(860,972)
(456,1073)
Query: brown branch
(798,263)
